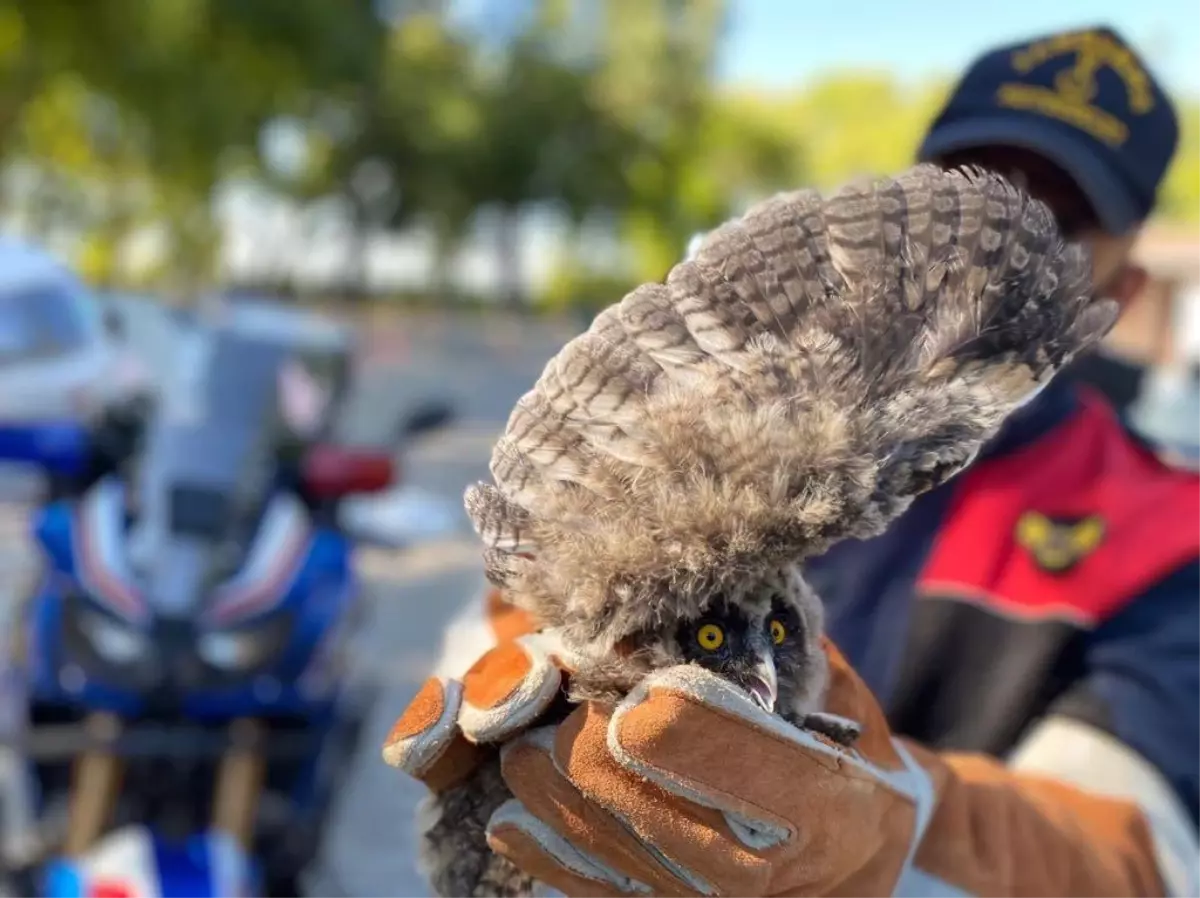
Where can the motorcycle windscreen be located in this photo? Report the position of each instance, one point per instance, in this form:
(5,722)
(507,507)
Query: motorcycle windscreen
(207,470)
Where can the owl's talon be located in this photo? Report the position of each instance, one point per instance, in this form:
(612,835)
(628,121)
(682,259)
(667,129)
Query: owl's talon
(841,730)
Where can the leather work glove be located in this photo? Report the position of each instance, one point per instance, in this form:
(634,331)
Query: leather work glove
(437,738)
(688,788)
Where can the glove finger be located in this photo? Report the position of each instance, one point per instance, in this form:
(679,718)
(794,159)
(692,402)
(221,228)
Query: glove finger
(692,843)
(509,687)
(540,852)
(752,787)
(565,816)
(425,741)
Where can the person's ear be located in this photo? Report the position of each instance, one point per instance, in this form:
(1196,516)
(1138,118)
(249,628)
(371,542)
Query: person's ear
(1128,284)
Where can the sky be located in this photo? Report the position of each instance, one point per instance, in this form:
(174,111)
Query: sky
(777,43)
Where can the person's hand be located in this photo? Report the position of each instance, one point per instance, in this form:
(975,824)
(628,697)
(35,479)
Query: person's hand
(688,788)
(586,823)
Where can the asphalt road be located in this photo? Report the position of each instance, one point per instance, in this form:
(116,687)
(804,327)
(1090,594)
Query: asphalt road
(482,368)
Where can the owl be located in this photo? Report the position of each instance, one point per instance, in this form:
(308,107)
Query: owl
(814,366)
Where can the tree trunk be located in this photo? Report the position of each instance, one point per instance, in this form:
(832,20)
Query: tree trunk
(445,248)
(508,248)
(357,288)
(39,216)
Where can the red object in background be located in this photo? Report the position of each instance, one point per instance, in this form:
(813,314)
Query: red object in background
(329,472)
(110,888)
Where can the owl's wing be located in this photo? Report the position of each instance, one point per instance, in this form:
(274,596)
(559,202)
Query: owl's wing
(815,365)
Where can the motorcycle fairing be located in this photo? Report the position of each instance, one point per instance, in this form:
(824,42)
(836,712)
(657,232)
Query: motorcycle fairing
(292,569)
(101,564)
(283,540)
(100,559)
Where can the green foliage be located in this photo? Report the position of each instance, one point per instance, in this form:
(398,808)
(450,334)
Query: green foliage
(574,287)
(124,118)
(1180,197)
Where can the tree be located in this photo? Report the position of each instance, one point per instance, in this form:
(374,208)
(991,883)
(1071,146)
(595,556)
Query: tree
(180,90)
(1179,199)
(125,120)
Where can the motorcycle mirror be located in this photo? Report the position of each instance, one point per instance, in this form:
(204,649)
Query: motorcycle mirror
(428,417)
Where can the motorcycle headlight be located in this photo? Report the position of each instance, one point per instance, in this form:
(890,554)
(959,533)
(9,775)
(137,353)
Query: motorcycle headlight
(117,652)
(113,641)
(244,649)
(234,651)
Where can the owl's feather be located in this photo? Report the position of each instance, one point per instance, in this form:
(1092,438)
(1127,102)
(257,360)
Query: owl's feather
(814,367)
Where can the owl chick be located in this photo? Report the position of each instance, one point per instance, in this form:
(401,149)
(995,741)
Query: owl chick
(812,368)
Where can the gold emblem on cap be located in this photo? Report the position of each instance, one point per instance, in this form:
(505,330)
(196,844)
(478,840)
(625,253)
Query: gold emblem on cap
(1070,100)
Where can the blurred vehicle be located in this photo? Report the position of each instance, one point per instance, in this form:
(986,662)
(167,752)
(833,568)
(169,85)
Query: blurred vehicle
(178,712)
(148,330)
(398,517)
(60,353)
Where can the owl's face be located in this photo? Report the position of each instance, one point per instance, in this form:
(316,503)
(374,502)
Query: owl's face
(764,648)
(763,636)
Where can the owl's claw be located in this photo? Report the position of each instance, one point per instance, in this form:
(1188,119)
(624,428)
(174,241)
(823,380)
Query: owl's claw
(841,730)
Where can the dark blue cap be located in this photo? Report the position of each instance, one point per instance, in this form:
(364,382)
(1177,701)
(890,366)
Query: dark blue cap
(1082,99)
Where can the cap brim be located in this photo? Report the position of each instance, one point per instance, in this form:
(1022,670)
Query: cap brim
(1111,198)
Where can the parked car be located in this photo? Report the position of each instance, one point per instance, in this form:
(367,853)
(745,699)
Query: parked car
(61,355)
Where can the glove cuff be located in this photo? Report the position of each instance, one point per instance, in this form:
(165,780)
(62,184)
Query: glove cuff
(996,832)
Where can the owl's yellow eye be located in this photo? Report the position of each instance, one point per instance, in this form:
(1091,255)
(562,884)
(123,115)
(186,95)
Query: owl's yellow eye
(778,632)
(710,637)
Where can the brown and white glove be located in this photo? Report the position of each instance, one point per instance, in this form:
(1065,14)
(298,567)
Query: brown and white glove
(688,788)
(437,738)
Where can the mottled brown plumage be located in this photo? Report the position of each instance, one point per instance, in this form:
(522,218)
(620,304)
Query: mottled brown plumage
(815,366)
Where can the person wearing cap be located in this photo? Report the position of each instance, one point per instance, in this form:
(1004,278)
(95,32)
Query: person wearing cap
(1097,161)
(1021,648)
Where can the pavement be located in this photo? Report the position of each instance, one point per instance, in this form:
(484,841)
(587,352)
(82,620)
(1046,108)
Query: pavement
(481,366)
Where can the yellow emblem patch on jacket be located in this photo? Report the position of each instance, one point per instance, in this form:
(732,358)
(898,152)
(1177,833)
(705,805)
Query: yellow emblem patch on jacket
(1059,545)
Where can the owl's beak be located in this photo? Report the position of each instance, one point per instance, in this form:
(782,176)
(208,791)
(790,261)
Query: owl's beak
(763,684)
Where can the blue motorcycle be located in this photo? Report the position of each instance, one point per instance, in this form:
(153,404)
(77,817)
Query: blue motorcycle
(176,707)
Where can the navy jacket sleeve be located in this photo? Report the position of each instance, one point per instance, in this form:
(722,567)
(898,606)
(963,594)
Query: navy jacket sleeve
(1143,681)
